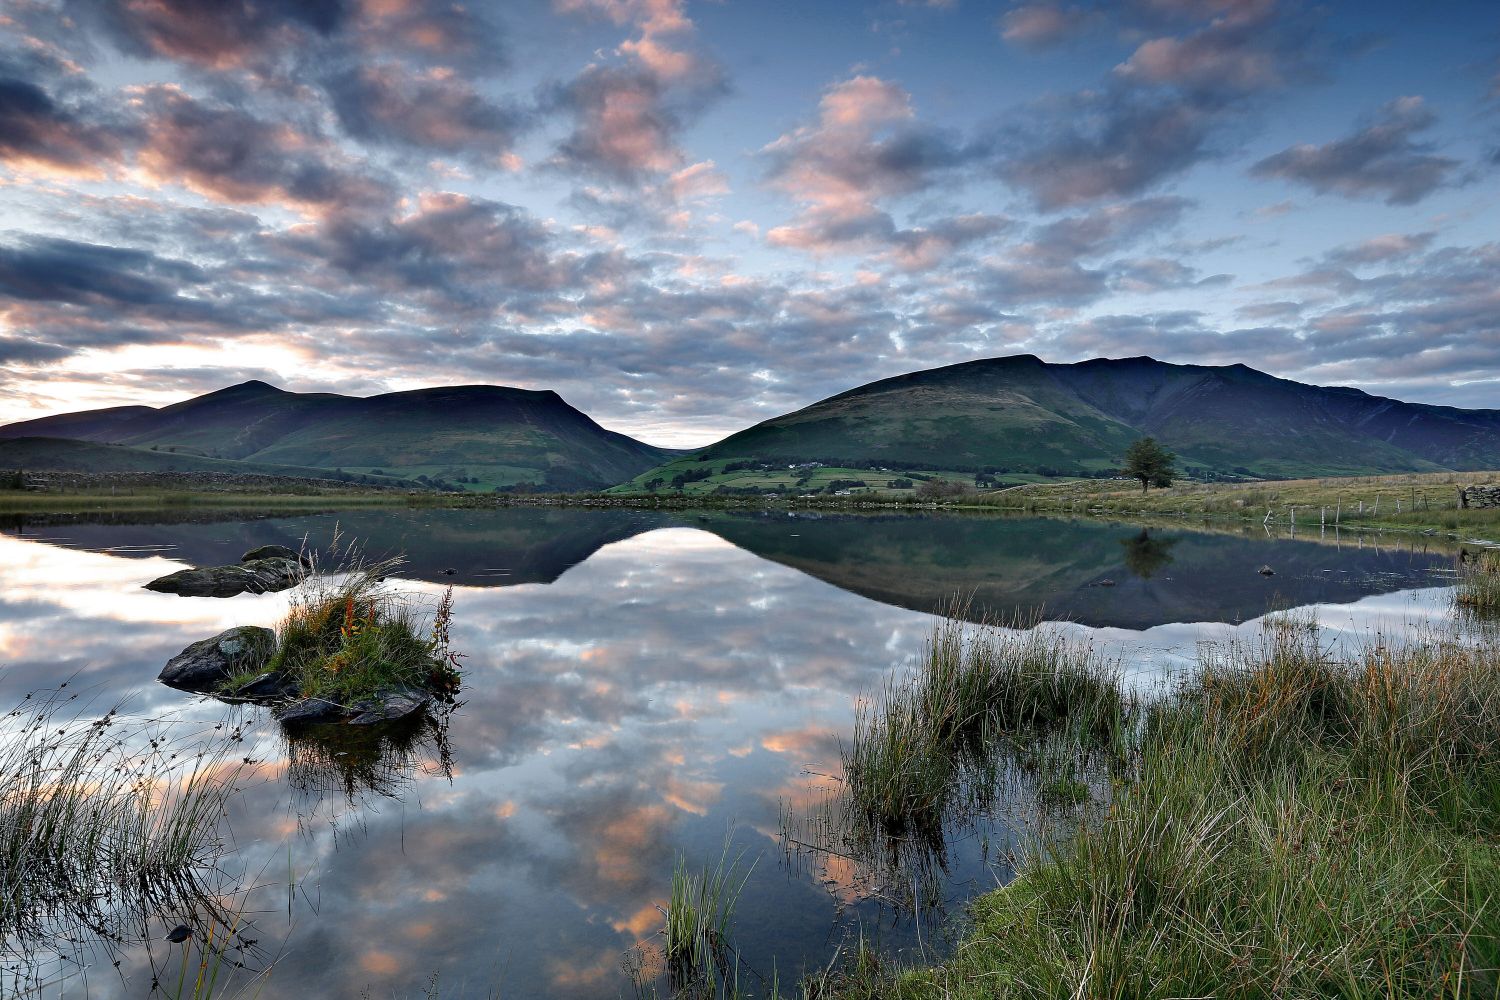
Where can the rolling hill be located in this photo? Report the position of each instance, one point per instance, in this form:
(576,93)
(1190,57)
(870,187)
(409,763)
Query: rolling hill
(478,436)
(1021,415)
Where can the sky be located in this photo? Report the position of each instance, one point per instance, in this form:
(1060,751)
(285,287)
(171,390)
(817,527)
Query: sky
(686,216)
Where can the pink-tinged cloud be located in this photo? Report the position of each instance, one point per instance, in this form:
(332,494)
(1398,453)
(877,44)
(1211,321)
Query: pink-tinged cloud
(1236,52)
(1040,25)
(628,111)
(866,146)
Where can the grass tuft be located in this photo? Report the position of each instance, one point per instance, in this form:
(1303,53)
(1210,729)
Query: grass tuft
(348,635)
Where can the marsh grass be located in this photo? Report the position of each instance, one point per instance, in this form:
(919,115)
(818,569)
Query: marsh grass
(104,824)
(348,635)
(696,943)
(984,698)
(1301,821)
(1479,584)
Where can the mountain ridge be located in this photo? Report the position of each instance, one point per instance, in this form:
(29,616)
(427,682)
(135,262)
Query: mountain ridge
(1020,414)
(481,436)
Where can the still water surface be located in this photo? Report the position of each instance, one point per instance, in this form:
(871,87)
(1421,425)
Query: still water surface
(639,685)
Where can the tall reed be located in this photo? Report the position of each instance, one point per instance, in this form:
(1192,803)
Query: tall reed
(105,823)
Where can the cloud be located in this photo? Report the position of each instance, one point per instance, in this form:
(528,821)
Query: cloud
(1161,111)
(628,113)
(229,155)
(40,132)
(59,270)
(455,254)
(625,129)
(1380,249)
(429,112)
(1380,160)
(1041,25)
(866,146)
(213,34)
(1116,143)
(1108,228)
(1240,51)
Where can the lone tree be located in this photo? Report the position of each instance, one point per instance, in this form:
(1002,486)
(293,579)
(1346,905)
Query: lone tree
(1150,463)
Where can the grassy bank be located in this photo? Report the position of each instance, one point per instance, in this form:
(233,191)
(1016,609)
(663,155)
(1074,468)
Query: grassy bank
(1407,502)
(1291,823)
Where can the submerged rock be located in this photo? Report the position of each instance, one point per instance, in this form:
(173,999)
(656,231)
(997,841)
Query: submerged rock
(388,705)
(275,552)
(205,665)
(256,576)
(309,710)
(264,687)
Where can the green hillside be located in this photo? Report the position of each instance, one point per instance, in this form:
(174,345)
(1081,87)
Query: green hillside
(476,437)
(63,455)
(1020,418)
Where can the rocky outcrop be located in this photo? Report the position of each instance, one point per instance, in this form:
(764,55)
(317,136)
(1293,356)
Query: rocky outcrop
(206,665)
(264,570)
(211,666)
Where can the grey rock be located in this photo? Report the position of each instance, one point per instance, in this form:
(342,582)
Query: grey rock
(1266,571)
(258,576)
(309,710)
(206,664)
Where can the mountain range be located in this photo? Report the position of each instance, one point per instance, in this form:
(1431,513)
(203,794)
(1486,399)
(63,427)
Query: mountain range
(1016,415)
(1022,415)
(478,436)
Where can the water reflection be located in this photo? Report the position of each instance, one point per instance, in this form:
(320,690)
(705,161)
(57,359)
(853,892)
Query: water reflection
(664,688)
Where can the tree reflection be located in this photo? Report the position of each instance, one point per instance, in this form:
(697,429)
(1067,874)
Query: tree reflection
(1146,554)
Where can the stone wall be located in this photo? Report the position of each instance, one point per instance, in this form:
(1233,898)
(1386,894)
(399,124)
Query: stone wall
(1479,496)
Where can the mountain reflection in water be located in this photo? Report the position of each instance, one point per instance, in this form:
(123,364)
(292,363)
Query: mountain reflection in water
(638,684)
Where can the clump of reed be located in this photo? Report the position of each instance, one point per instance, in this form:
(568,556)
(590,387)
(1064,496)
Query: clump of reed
(104,823)
(1479,584)
(700,960)
(349,635)
(1303,821)
(932,739)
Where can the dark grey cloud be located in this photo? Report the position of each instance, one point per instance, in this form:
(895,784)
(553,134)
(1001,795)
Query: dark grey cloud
(1169,106)
(232,155)
(14,350)
(1382,160)
(213,34)
(427,113)
(51,120)
(456,253)
(58,270)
